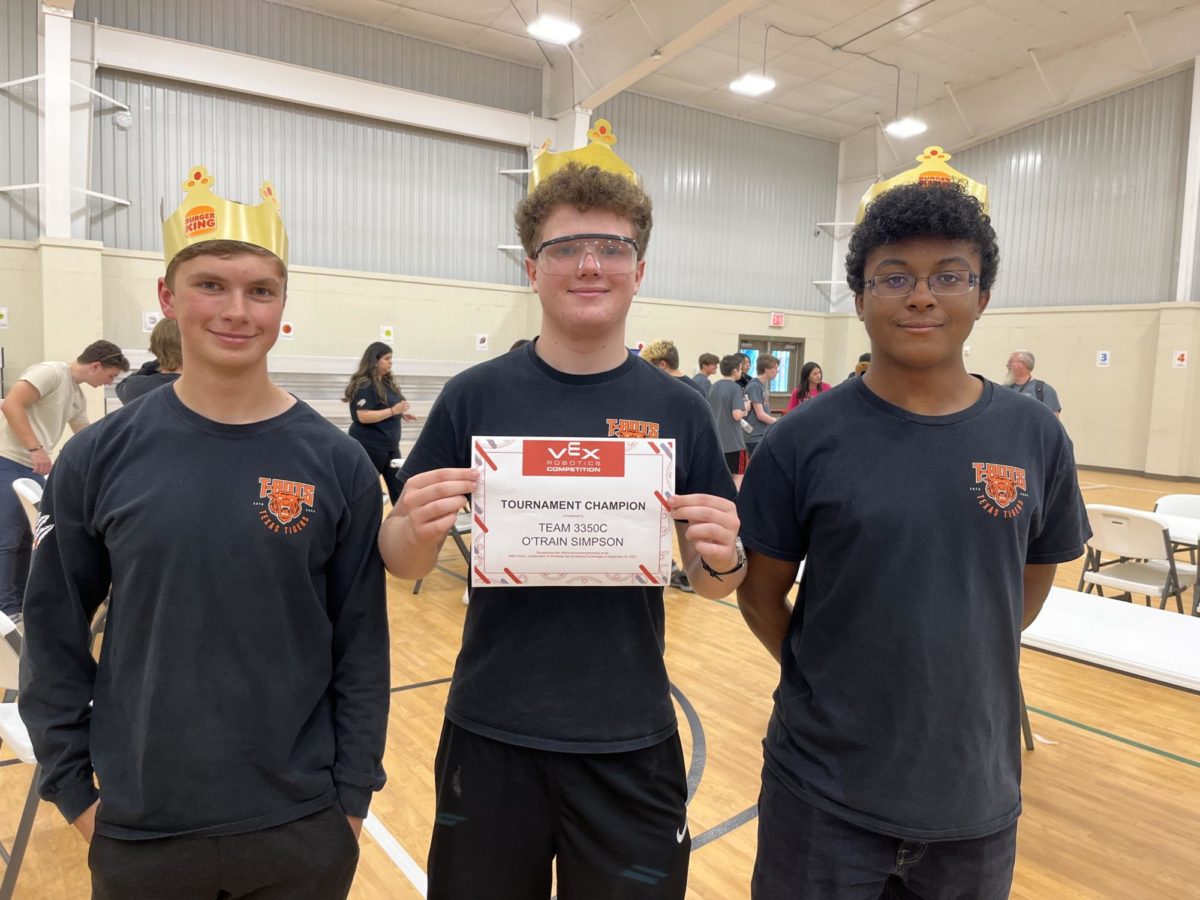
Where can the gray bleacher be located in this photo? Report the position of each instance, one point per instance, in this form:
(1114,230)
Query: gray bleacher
(321,380)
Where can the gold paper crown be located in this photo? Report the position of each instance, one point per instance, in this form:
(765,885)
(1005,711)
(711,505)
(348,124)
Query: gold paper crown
(932,169)
(598,153)
(203,216)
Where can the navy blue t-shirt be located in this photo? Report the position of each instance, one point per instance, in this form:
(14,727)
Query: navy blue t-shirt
(575,669)
(898,705)
(384,434)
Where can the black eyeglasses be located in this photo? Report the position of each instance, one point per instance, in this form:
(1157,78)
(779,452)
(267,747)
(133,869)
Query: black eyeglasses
(614,254)
(897,285)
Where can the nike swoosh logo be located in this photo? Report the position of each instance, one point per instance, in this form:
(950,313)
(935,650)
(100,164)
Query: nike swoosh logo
(681,834)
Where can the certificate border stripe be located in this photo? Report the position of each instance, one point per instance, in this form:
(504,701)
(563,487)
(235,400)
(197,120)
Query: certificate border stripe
(482,577)
(663,500)
(654,446)
(479,522)
(483,453)
(649,574)
(511,574)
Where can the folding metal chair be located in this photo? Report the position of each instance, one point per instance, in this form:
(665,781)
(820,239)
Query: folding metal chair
(14,734)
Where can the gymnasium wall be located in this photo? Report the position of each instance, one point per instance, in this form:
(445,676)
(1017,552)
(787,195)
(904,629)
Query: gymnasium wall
(1137,413)
(18,120)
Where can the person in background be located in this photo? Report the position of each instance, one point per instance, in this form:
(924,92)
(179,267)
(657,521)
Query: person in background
(665,356)
(707,365)
(729,408)
(1021,380)
(163,369)
(864,363)
(518,343)
(809,386)
(376,408)
(743,376)
(46,398)
(760,417)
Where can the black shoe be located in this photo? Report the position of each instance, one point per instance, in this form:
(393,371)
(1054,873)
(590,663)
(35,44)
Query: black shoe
(680,582)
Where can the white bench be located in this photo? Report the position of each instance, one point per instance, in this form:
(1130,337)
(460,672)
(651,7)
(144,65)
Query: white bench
(1157,644)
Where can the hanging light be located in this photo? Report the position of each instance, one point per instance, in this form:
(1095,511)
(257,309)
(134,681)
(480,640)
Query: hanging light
(552,29)
(906,127)
(752,84)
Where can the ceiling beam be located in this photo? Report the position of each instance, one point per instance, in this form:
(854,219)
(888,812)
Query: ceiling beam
(618,53)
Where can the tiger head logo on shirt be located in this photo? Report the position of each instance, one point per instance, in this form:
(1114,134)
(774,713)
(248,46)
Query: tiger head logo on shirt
(284,510)
(1003,487)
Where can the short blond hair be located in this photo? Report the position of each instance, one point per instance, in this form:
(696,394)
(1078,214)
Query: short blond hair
(662,351)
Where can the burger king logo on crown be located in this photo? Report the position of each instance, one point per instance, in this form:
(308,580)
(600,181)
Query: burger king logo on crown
(199,220)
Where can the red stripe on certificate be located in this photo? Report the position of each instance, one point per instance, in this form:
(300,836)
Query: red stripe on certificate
(654,446)
(512,575)
(663,500)
(482,527)
(653,580)
(487,459)
(479,574)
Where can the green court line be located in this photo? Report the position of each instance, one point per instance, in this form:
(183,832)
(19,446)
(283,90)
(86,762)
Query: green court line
(725,603)
(1166,754)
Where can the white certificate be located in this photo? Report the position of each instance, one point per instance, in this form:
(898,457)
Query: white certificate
(572,511)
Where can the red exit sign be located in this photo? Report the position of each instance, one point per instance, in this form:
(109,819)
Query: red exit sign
(776,320)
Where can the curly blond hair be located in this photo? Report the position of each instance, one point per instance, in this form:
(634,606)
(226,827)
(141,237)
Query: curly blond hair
(584,188)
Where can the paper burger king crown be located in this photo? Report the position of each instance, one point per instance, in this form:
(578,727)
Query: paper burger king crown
(203,216)
(598,152)
(933,169)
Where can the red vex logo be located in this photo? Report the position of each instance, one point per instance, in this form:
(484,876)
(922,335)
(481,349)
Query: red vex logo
(286,501)
(603,459)
(1002,491)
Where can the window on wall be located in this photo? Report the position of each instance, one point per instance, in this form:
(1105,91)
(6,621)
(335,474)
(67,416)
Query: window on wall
(789,352)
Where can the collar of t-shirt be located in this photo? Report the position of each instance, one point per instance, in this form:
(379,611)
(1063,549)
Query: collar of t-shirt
(985,397)
(565,378)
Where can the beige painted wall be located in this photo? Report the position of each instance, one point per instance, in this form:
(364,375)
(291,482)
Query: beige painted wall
(1137,414)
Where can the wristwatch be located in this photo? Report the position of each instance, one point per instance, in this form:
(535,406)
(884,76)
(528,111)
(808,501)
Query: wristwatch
(741,561)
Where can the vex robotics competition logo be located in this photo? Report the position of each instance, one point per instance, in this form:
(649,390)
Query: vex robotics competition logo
(284,505)
(1000,489)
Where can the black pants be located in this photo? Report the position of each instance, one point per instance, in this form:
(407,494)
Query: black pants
(613,824)
(805,853)
(313,858)
(382,458)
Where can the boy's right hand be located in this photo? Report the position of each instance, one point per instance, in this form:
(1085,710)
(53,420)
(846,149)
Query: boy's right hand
(431,501)
(85,822)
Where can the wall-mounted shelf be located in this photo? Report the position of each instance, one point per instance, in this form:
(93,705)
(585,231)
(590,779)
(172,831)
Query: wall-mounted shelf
(835,230)
(838,292)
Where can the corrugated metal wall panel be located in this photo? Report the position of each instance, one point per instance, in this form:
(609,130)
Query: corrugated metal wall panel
(734,204)
(18,120)
(303,38)
(356,194)
(1088,204)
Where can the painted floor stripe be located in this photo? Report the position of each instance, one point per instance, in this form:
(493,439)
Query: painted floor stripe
(1166,754)
(397,854)
(419,684)
(719,831)
(699,744)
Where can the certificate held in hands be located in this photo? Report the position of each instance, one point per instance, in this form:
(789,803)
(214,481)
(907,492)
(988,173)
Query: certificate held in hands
(565,512)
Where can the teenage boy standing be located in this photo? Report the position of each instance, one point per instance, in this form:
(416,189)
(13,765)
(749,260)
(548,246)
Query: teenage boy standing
(560,745)
(931,507)
(758,392)
(236,720)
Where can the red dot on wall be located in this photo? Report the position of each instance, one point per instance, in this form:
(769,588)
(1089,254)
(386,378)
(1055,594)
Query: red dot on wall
(287,329)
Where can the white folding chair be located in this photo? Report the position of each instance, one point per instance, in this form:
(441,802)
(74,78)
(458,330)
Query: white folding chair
(1145,560)
(1186,506)
(14,734)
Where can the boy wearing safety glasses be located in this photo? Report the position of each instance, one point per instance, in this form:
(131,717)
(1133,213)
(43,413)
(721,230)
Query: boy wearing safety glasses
(931,509)
(560,745)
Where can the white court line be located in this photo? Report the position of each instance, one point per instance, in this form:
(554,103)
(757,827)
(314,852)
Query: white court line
(397,854)
(1091,486)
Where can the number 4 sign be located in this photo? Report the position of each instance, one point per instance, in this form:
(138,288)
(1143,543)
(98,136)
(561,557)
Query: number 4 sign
(1179,359)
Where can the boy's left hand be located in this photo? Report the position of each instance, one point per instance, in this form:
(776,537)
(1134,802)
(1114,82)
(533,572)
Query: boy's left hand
(712,528)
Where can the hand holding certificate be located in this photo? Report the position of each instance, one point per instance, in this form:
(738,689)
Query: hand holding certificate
(572,511)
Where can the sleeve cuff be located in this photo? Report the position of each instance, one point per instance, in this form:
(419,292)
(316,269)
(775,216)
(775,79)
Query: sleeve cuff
(355,801)
(73,801)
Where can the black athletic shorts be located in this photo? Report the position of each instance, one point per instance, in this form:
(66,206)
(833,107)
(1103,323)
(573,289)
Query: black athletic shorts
(736,461)
(613,825)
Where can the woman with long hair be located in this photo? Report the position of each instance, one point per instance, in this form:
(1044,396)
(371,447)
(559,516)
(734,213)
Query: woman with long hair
(376,408)
(809,386)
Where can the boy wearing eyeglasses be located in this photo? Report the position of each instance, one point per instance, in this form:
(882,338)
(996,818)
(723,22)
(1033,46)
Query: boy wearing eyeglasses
(930,508)
(560,747)
(44,401)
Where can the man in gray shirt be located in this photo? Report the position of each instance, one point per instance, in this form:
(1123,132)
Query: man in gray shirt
(707,365)
(1020,370)
(730,406)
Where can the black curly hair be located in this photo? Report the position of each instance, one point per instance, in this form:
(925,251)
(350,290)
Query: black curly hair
(937,210)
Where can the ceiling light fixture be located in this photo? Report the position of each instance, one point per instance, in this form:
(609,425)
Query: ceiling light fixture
(751,84)
(552,29)
(905,127)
